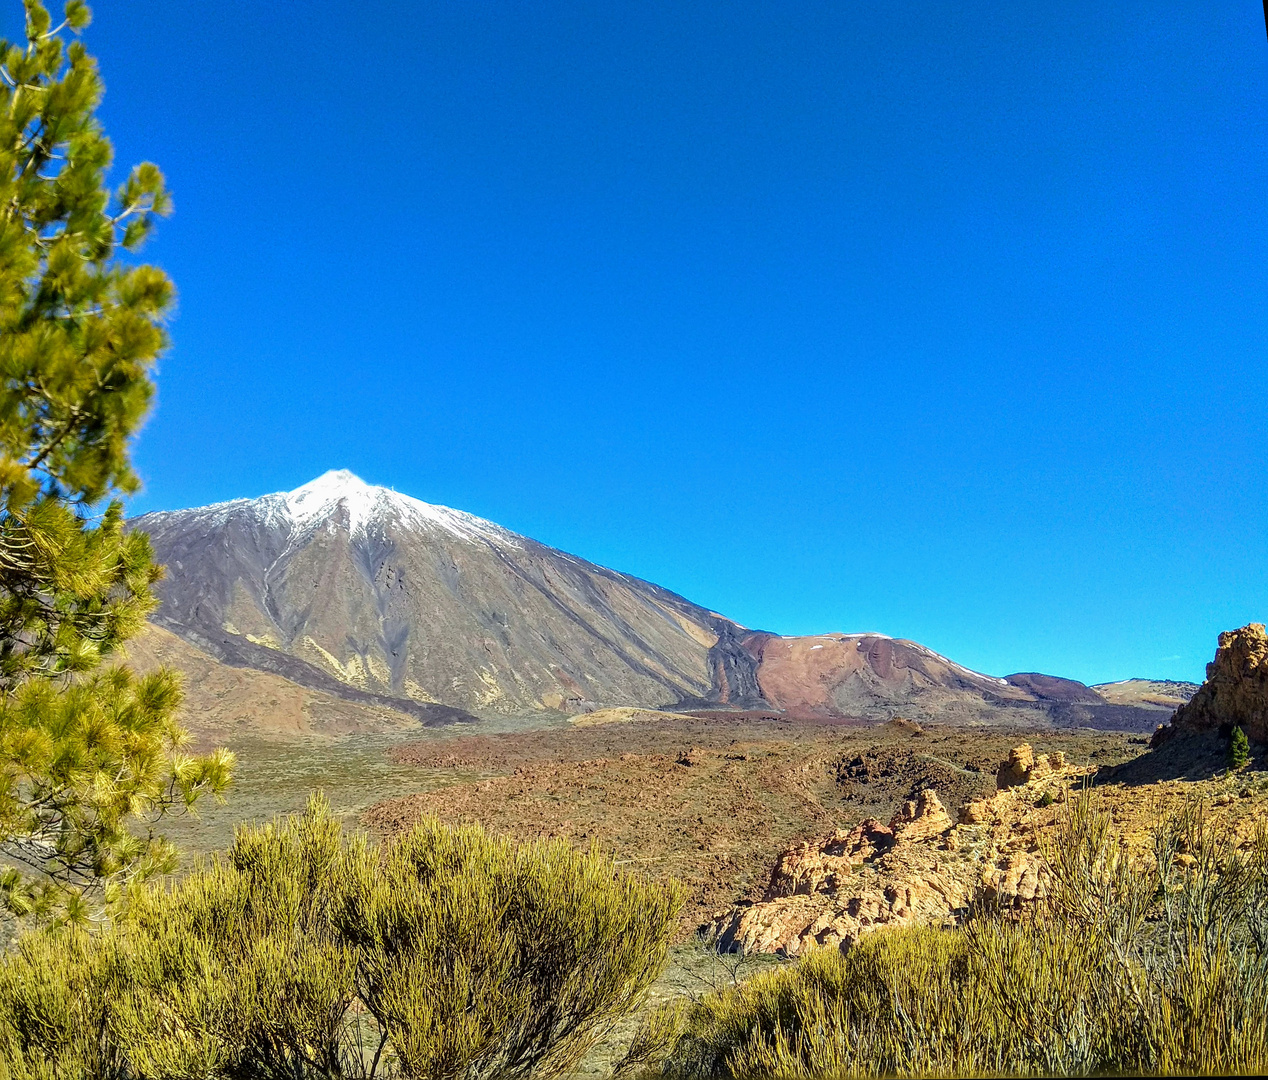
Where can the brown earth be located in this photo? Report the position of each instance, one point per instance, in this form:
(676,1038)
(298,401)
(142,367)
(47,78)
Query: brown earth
(711,802)
(842,673)
(221,700)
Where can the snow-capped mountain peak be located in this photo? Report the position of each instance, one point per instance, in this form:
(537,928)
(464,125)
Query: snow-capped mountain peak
(365,504)
(342,497)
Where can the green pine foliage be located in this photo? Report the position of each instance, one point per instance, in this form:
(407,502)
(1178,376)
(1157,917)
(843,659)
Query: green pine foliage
(84,752)
(305,953)
(1129,968)
(1238,749)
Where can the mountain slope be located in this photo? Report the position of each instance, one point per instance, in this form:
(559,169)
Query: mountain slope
(223,701)
(1166,695)
(381,599)
(394,597)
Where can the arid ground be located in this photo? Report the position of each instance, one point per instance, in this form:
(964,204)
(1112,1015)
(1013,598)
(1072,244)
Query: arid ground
(711,802)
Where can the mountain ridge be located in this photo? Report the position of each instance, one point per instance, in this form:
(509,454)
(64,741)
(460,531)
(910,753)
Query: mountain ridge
(374,596)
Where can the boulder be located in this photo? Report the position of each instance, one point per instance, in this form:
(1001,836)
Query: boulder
(791,925)
(822,866)
(1019,877)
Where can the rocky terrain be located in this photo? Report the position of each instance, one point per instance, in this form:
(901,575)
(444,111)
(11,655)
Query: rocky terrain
(923,866)
(928,864)
(1235,691)
(794,835)
(369,596)
(710,801)
(223,702)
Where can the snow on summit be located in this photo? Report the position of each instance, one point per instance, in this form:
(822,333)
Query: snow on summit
(321,500)
(318,500)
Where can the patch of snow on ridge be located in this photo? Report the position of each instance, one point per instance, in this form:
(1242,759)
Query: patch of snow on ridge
(960,667)
(317,500)
(307,507)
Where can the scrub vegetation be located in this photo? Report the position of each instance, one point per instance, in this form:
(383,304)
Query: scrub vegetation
(1128,966)
(303,952)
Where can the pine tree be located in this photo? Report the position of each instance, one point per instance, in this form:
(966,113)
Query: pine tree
(86,751)
(1238,749)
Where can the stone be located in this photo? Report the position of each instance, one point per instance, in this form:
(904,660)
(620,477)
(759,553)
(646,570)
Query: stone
(921,818)
(920,869)
(977,812)
(1023,767)
(822,866)
(1020,877)
(1016,770)
(1235,692)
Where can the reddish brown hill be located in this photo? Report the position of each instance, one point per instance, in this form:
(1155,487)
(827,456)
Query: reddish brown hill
(843,674)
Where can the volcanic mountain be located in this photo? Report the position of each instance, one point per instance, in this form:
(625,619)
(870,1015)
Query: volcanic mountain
(378,598)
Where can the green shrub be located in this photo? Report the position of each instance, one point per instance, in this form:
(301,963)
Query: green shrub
(304,953)
(1128,966)
(55,1009)
(481,957)
(898,1003)
(1238,749)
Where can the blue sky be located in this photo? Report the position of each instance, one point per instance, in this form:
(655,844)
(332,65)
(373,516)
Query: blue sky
(947,320)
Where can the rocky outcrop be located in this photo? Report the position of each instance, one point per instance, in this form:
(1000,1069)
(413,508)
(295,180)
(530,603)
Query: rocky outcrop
(1235,692)
(837,901)
(921,818)
(1022,767)
(824,866)
(921,868)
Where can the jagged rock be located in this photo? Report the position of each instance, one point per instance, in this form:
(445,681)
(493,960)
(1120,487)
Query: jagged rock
(1235,692)
(920,869)
(921,818)
(925,893)
(822,866)
(1022,767)
(1016,770)
(977,812)
(1019,877)
(832,890)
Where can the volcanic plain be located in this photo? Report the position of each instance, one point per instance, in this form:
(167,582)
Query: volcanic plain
(710,801)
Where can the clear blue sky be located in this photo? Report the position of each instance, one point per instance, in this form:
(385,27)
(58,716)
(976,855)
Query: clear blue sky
(947,320)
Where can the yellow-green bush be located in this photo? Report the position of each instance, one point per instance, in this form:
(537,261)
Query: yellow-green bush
(305,953)
(481,957)
(1155,966)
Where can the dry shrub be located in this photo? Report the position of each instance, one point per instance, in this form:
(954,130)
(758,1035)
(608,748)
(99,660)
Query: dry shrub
(1135,966)
(304,953)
